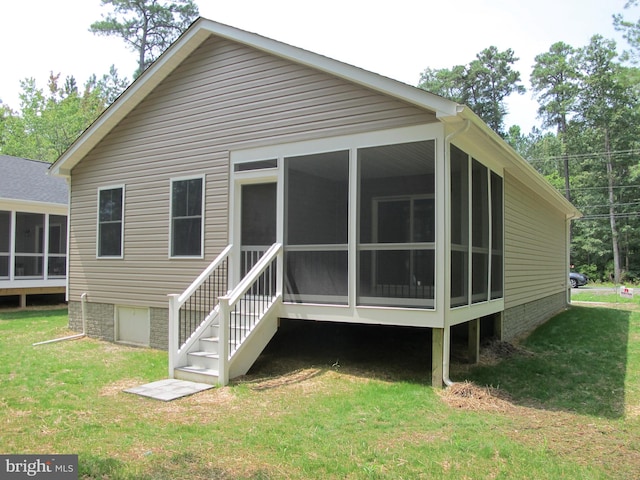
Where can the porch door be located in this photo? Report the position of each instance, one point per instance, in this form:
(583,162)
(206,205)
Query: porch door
(258,223)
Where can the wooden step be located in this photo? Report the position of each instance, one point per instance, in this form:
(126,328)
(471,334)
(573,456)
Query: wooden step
(197,374)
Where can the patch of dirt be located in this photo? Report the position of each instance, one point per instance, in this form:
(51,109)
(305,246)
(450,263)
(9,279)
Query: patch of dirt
(495,351)
(469,396)
(116,388)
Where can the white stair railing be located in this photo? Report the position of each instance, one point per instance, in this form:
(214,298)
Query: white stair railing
(243,308)
(192,310)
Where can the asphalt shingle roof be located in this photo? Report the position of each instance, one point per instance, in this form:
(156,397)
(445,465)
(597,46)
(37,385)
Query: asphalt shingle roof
(22,179)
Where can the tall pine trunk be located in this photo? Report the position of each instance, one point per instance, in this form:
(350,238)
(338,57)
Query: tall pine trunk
(612,209)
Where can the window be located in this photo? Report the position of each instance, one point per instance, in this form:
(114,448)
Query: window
(29,245)
(397,225)
(187,207)
(477,221)
(459,227)
(5,243)
(497,233)
(479,232)
(57,258)
(316,235)
(110,222)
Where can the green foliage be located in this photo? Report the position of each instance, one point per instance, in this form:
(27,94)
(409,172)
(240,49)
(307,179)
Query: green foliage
(147,26)
(48,123)
(483,85)
(631,31)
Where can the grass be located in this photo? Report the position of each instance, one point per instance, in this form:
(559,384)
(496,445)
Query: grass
(569,407)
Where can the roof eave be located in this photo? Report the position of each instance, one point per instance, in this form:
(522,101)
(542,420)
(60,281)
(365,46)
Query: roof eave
(191,39)
(520,167)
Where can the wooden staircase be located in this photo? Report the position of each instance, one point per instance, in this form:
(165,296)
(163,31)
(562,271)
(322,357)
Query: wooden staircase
(211,341)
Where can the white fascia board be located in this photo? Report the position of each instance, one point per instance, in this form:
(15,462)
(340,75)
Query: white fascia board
(29,206)
(521,169)
(374,81)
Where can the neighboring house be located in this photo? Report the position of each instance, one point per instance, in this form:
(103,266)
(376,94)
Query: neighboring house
(33,229)
(365,199)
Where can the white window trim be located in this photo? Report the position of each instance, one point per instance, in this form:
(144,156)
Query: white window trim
(202,216)
(111,257)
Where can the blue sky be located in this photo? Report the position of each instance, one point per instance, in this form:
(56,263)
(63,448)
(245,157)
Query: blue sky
(397,39)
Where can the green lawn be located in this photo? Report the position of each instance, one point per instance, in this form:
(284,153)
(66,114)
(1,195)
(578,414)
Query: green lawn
(572,410)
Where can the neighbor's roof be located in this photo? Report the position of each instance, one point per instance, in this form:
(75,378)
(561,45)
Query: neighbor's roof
(444,109)
(28,180)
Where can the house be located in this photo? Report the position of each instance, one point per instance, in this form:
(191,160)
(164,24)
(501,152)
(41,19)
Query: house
(33,229)
(240,181)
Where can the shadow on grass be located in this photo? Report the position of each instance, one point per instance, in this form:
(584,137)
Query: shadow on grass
(578,364)
(577,360)
(16,314)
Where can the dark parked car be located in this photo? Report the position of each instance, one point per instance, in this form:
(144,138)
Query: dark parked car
(577,279)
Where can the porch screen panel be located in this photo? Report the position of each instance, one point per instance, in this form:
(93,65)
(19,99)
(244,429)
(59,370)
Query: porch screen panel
(396,260)
(497,234)
(316,228)
(57,258)
(459,227)
(480,232)
(29,245)
(5,243)
(258,223)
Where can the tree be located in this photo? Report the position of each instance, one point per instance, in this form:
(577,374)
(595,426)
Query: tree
(554,80)
(483,84)
(147,26)
(607,111)
(47,124)
(111,85)
(630,29)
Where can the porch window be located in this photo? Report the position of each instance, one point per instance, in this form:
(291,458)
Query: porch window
(110,221)
(29,245)
(459,227)
(187,217)
(396,244)
(497,234)
(57,258)
(477,221)
(5,243)
(480,232)
(316,226)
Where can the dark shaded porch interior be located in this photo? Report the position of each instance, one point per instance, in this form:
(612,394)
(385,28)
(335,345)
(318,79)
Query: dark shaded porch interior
(391,353)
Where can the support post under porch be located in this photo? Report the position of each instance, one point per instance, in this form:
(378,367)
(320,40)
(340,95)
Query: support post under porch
(474,341)
(437,351)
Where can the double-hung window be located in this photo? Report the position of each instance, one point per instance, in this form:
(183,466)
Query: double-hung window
(187,217)
(110,222)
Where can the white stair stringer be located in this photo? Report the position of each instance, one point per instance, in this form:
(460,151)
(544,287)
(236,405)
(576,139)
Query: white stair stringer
(201,363)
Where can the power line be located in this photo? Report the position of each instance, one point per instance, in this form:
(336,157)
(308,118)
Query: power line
(592,155)
(606,216)
(610,205)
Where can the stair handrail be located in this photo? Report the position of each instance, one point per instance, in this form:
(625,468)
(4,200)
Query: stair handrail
(227,304)
(204,275)
(176,301)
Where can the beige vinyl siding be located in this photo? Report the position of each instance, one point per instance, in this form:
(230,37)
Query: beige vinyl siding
(225,96)
(535,246)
